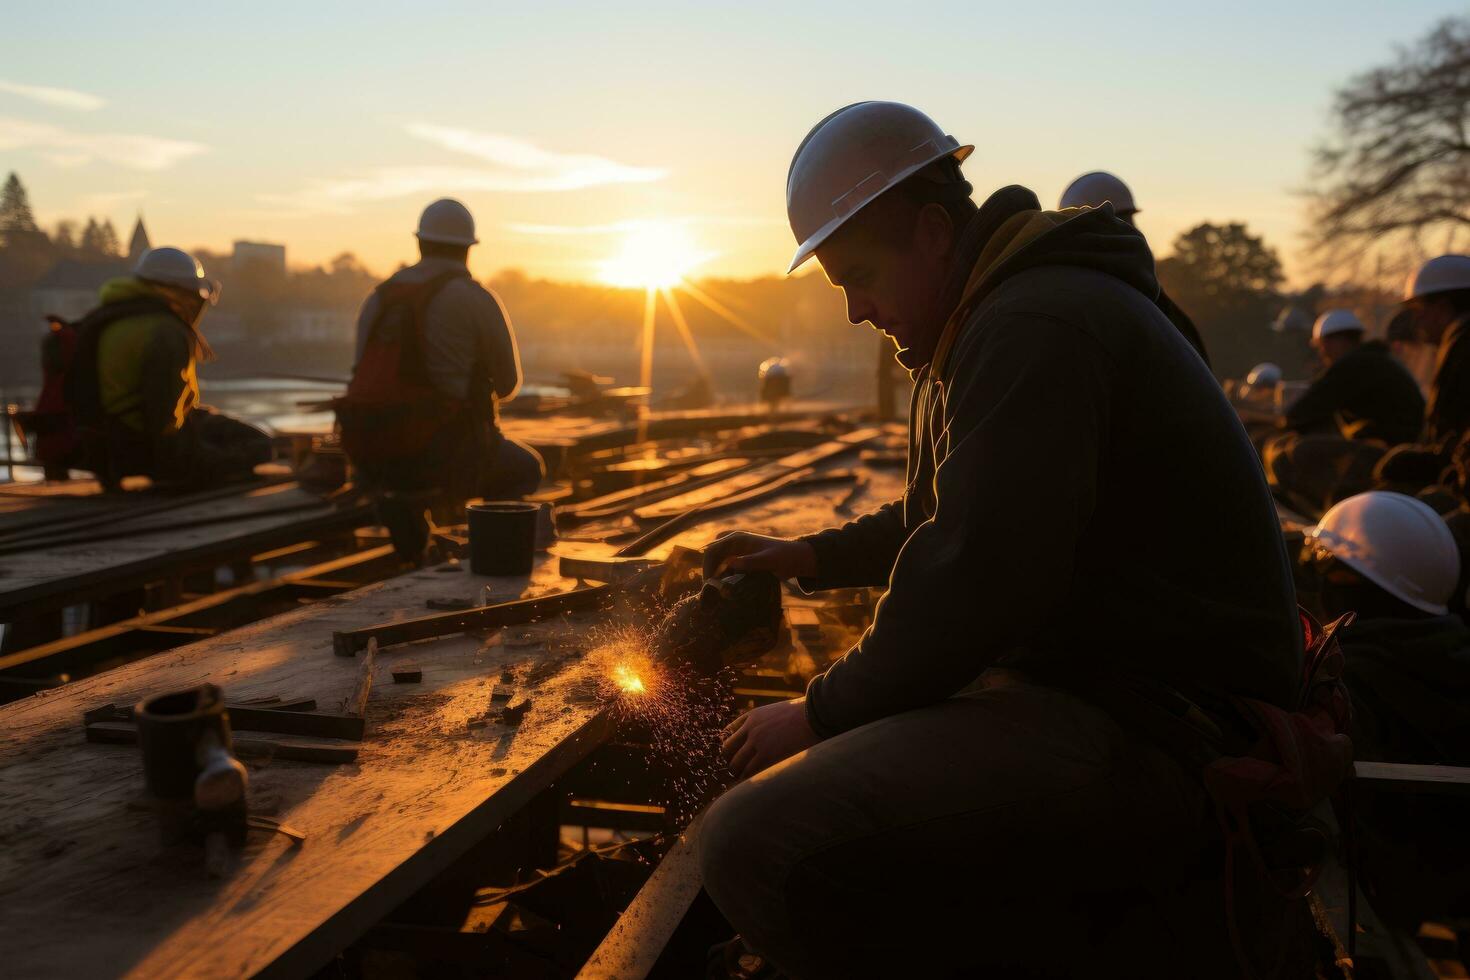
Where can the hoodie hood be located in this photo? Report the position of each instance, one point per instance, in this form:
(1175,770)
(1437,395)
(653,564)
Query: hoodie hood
(124,288)
(128,288)
(1092,238)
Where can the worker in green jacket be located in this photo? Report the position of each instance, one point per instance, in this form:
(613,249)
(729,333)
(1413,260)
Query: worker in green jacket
(134,385)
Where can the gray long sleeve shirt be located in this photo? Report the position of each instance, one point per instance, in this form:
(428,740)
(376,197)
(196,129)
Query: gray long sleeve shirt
(466,329)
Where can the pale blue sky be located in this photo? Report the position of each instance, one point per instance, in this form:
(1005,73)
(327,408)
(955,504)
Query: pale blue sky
(328,125)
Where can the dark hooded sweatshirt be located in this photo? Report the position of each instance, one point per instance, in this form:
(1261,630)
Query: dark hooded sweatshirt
(1448,416)
(1410,685)
(1082,500)
(1365,394)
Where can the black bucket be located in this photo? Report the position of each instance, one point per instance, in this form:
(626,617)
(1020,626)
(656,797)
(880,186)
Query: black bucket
(170,729)
(502,537)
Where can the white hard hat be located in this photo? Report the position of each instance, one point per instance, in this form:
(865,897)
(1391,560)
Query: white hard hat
(1091,190)
(1263,375)
(1291,318)
(177,269)
(774,367)
(1336,321)
(1396,542)
(850,158)
(1439,275)
(448,222)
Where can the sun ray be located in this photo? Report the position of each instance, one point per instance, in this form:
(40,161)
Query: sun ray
(735,319)
(645,365)
(682,326)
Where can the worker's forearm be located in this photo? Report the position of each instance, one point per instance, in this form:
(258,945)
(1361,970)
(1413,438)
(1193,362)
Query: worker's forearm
(860,553)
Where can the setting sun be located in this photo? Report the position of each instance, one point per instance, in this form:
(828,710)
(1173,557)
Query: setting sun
(652,255)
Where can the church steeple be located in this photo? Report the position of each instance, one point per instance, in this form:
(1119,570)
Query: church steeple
(138,244)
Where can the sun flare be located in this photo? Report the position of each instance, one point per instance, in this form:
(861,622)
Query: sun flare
(652,255)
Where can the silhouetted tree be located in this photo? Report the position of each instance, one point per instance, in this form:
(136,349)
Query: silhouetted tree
(99,240)
(1396,174)
(15,208)
(65,236)
(1228,280)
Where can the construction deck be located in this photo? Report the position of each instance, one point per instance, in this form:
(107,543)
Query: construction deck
(81,855)
(80,859)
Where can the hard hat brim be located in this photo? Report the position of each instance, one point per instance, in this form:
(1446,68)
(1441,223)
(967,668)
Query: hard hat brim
(1324,541)
(445,239)
(814,241)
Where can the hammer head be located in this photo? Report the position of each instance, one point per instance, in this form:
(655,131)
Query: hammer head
(728,621)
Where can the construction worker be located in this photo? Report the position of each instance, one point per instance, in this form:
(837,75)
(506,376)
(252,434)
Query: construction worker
(1029,572)
(1363,403)
(1092,190)
(132,382)
(1437,295)
(435,356)
(1392,561)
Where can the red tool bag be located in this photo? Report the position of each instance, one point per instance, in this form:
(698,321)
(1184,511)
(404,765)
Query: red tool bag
(391,411)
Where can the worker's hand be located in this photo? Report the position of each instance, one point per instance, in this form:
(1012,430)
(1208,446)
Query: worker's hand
(763,737)
(742,551)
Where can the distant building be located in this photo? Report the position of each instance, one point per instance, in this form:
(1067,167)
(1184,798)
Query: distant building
(259,258)
(317,327)
(69,288)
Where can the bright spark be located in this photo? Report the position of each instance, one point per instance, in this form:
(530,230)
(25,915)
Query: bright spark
(628,680)
(653,255)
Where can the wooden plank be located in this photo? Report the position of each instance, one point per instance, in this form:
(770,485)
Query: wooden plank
(636,940)
(154,620)
(47,578)
(79,862)
(761,475)
(1398,777)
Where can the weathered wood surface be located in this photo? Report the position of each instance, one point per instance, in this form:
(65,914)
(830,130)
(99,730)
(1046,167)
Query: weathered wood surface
(49,576)
(87,890)
(633,945)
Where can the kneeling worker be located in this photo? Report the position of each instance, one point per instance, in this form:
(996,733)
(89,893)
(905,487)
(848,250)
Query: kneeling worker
(1392,560)
(1092,191)
(1363,403)
(1020,585)
(133,386)
(435,355)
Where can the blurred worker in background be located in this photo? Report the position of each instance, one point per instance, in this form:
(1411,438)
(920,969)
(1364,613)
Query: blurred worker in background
(1391,560)
(1437,296)
(996,697)
(1361,404)
(130,383)
(435,356)
(1092,190)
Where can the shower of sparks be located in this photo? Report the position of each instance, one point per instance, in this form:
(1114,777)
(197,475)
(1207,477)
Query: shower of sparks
(676,711)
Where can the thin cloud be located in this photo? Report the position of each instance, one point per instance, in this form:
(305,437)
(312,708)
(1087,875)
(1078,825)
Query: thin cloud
(566,171)
(620,227)
(519,167)
(68,148)
(61,98)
